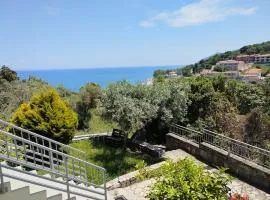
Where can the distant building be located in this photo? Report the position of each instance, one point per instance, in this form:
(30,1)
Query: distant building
(246,58)
(252,75)
(171,74)
(228,74)
(255,58)
(232,65)
(262,59)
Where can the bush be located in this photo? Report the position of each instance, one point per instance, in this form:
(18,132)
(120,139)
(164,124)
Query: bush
(89,96)
(48,115)
(187,180)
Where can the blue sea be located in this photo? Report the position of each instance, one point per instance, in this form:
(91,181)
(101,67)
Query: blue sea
(73,79)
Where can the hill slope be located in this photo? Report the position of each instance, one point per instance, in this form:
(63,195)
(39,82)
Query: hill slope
(207,63)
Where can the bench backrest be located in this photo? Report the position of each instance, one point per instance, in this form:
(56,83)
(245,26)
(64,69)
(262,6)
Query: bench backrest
(118,133)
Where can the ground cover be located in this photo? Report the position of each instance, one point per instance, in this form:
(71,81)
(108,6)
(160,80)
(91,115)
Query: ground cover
(113,159)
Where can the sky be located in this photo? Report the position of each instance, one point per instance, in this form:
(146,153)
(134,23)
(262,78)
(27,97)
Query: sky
(65,34)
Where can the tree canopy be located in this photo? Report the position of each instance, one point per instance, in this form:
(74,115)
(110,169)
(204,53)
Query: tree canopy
(48,115)
(8,74)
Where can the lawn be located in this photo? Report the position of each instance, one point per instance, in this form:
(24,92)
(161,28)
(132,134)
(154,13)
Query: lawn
(98,125)
(112,159)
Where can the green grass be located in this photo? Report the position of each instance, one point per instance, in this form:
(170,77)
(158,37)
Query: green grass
(112,159)
(98,125)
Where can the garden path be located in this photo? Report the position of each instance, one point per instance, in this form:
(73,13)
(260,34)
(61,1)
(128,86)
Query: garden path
(137,191)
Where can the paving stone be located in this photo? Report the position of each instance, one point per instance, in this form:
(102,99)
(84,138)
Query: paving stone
(138,191)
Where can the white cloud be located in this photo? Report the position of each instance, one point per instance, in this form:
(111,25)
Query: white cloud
(197,13)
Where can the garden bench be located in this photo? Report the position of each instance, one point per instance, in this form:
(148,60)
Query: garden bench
(117,139)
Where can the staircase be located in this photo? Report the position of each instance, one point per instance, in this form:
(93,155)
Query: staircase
(34,167)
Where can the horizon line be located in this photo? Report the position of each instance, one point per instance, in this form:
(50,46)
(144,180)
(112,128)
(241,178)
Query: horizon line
(105,67)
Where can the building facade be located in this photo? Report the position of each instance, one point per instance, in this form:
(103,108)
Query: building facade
(232,65)
(252,75)
(246,58)
(262,59)
(255,58)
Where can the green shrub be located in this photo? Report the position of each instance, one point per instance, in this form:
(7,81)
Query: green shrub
(89,95)
(48,115)
(187,180)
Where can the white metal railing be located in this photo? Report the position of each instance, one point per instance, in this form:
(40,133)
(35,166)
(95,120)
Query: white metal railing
(36,152)
(40,139)
(252,153)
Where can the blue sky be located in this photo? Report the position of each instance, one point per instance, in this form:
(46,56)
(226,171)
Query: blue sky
(52,34)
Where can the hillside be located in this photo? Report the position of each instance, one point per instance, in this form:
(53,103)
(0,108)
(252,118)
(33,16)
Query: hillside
(206,63)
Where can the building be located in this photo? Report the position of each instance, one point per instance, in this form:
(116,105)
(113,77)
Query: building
(171,74)
(255,58)
(232,65)
(246,58)
(252,75)
(262,59)
(228,74)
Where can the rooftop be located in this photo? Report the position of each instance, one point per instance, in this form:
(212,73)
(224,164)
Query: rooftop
(262,55)
(253,70)
(230,62)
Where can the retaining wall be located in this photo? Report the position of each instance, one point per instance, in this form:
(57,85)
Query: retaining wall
(248,171)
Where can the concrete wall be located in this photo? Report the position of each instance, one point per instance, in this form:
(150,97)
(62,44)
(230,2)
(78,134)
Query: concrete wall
(214,156)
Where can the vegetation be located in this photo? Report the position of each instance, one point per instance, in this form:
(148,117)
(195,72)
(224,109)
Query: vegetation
(231,107)
(16,92)
(186,180)
(98,124)
(48,115)
(207,63)
(140,106)
(218,104)
(88,99)
(112,159)
(7,74)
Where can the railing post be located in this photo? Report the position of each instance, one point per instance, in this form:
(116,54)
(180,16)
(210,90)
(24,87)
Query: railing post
(85,173)
(2,180)
(104,182)
(67,181)
(51,158)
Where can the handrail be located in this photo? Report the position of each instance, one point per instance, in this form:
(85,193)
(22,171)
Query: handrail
(246,144)
(255,154)
(48,149)
(39,136)
(30,153)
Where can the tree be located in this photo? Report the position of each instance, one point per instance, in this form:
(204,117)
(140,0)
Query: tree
(257,128)
(200,95)
(13,93)
(89,96)
(48,115)
(159,73)
(152,106)
(8,74)
(249,96)
(219,69)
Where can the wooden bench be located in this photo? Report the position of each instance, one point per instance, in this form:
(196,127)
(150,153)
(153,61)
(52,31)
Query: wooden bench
(117,139)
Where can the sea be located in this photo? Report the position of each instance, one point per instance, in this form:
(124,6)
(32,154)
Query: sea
(74,79)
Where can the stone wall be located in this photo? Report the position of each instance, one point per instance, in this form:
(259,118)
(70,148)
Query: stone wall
(129,179)
(242,168)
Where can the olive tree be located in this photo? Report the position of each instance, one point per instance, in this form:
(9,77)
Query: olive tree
(154,106)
